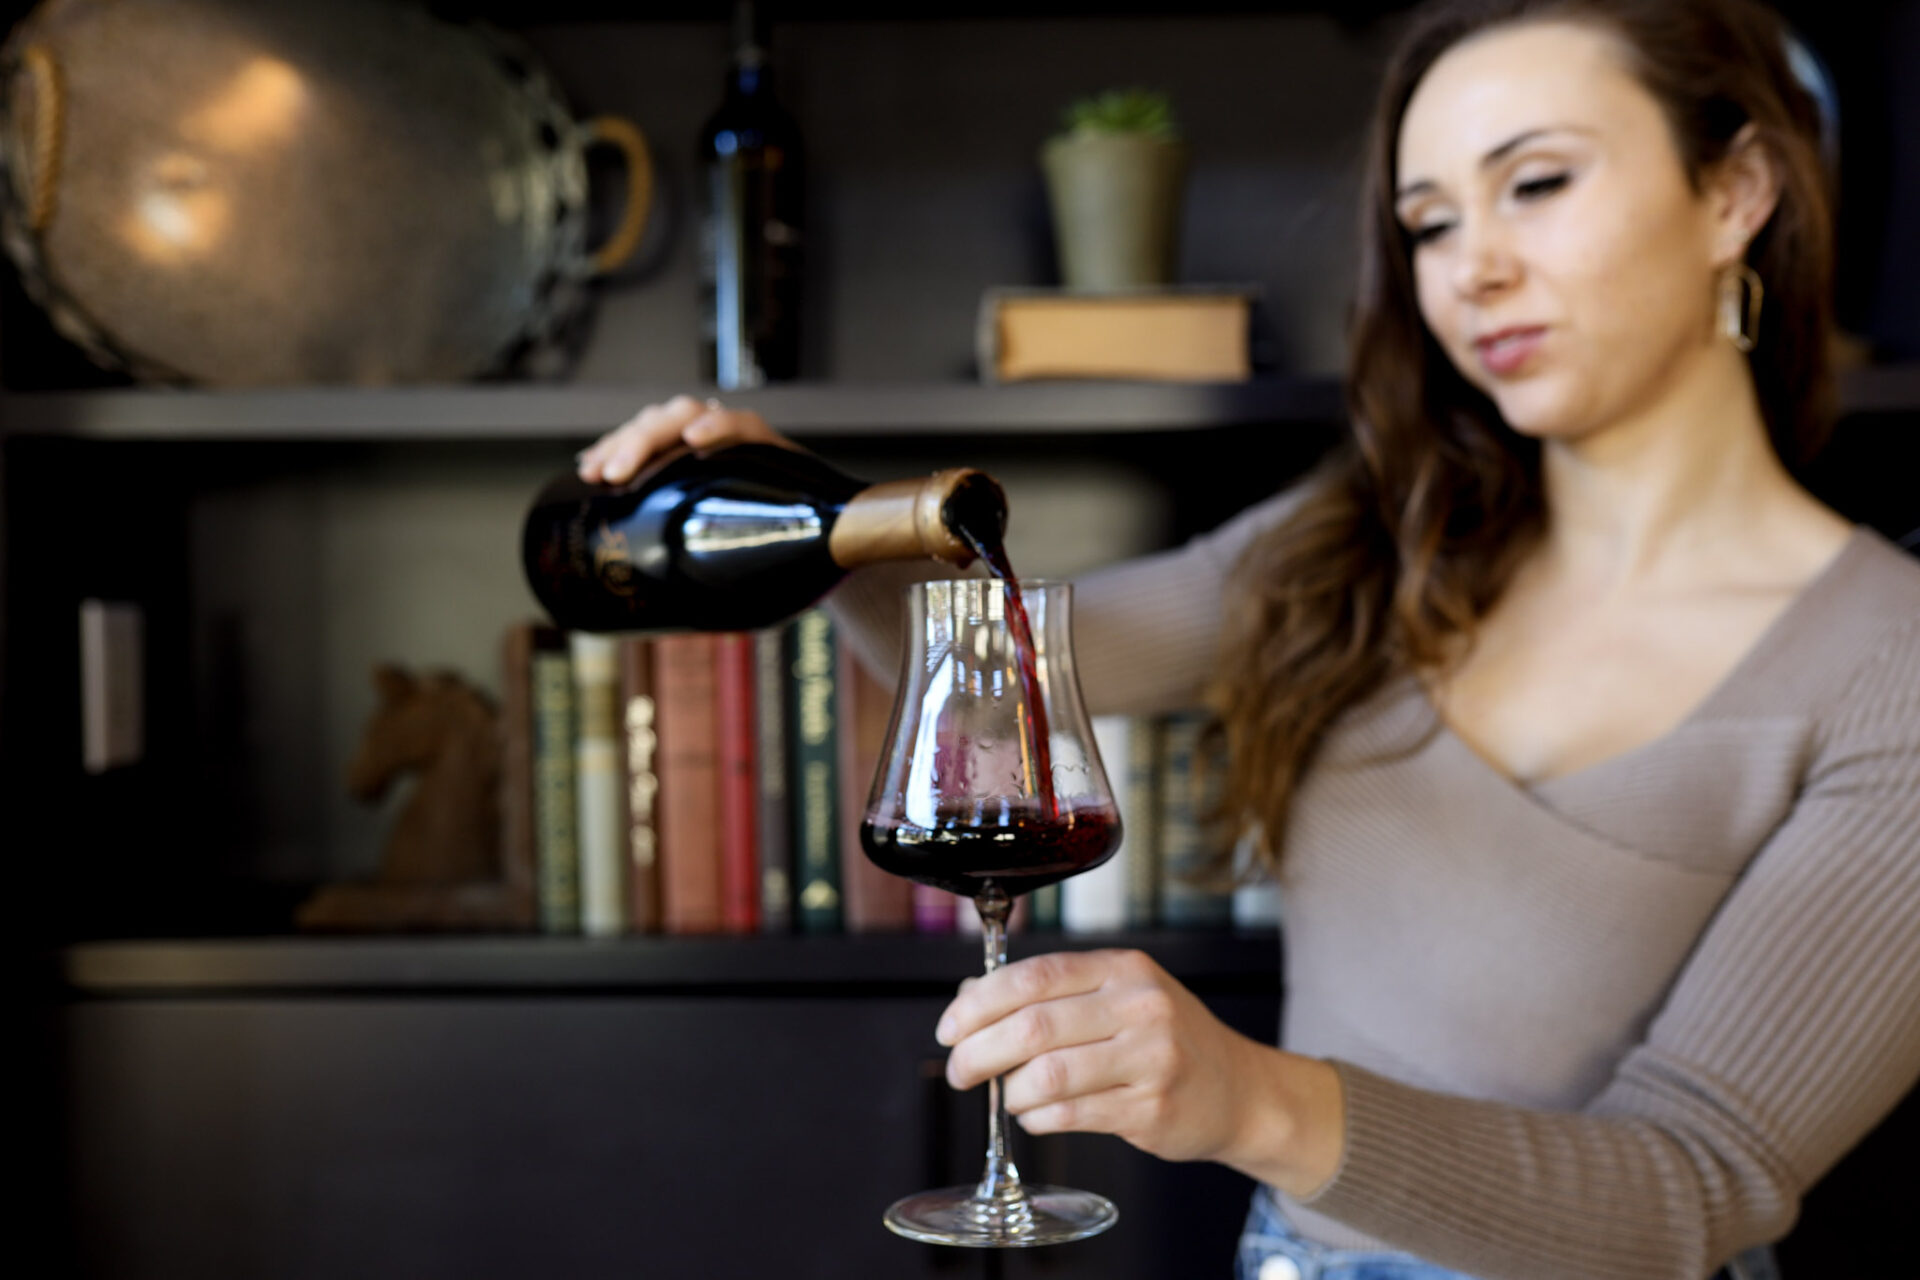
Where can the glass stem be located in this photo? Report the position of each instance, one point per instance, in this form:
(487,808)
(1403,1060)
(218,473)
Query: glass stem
(1000,1184)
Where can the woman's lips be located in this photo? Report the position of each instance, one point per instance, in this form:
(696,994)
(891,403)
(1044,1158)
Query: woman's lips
(1505,353)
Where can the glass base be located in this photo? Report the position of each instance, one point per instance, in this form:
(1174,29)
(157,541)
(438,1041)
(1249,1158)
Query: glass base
(1044,1215)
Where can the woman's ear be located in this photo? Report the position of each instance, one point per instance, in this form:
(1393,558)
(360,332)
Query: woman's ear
(1742,191)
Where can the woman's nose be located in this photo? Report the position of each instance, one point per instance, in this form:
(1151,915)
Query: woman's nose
(1485,262)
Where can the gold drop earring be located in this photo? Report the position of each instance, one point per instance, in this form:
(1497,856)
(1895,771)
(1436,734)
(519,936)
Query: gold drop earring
(1740,315)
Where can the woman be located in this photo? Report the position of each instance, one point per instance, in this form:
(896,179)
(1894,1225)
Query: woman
(1585,742)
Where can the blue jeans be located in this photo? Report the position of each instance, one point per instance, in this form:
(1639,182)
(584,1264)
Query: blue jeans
(1268,1244)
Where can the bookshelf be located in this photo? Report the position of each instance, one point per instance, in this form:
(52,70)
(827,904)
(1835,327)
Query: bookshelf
(211,1071)
(1072,416)
(877,411)
(1213,962)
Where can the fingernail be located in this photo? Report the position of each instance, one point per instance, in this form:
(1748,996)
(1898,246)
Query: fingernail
(945,1031)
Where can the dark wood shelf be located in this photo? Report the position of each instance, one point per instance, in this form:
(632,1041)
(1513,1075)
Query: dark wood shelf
(507,412)
(521,12)
(893,410)
(1208,961)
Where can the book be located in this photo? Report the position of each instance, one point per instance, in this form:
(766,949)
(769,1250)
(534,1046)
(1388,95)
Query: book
(936,910)
(873,901)
(689,769)
(112,699)
(813,741)
(1188,846)
(596,783)
(736,744)
(1043,915)
(776,835)
(1257,905)
(1143,793)
(555,809)
(1096,901)
(639,766)
(1177,334)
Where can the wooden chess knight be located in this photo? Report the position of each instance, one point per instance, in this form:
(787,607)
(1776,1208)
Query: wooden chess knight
(441,867)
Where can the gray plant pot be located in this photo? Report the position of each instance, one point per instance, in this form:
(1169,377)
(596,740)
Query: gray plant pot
(1116,207)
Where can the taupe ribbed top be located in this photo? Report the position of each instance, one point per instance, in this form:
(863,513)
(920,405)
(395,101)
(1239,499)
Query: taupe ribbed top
(1614,1024)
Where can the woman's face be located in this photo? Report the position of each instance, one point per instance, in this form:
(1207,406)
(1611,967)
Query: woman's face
(1562,260)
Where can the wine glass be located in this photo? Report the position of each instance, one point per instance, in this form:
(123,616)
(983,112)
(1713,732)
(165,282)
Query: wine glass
(991,787)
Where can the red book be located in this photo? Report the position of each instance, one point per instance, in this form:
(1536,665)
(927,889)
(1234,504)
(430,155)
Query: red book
(737,745)
(689,808)
(873,901)
(640,792)
(934,910)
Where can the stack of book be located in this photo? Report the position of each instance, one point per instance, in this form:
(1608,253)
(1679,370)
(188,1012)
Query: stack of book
(715,783)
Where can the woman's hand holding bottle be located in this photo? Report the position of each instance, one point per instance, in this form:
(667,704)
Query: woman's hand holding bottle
(618,456)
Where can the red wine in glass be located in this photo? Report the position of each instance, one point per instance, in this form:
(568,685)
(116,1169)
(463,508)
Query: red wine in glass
(991,787)
(1016,853)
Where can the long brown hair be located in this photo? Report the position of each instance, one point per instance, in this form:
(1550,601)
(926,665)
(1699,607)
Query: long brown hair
(1409,532)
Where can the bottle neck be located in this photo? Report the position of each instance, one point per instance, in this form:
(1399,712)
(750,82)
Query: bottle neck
(749,75)
(917,519)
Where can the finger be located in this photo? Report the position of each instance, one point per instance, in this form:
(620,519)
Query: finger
(1029,1033)
(709,427)
(654,430)
(1107,1111)
(719,426)
(1013,986)
(593,460)
(1061,1074)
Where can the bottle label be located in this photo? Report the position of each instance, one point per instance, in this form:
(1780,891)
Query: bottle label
(613,560)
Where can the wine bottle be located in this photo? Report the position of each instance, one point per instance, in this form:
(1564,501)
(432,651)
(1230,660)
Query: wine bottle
(737,539)
(750,238)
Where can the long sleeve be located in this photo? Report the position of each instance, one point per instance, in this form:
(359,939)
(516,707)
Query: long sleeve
(1790,1031)
(1145,630)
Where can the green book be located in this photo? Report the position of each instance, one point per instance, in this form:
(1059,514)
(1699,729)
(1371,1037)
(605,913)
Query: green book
(776,814)
(813,792)
(555,808)
(1188,846)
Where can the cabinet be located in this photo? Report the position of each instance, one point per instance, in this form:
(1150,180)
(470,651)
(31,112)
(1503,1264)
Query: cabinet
(540,1107)
(226,1100)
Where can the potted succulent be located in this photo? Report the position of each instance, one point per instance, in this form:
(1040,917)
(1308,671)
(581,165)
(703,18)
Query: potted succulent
(1115,175)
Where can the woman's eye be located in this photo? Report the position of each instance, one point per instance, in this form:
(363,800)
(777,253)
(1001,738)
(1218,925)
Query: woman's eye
(1536,188)
(1428,233)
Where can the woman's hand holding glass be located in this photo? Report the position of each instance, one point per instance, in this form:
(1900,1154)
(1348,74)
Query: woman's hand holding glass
(1109,1042)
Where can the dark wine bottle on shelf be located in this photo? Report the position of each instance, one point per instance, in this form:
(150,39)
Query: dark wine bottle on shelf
(739,538)
(750,233)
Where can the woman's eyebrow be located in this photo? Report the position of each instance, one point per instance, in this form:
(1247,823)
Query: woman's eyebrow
(1421,186)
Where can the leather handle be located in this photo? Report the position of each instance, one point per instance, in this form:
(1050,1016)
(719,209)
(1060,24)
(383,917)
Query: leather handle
(49,126)
(616,131)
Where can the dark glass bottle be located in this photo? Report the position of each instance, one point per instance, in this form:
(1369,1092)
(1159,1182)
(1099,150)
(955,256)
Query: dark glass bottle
(737,539)
(750,231)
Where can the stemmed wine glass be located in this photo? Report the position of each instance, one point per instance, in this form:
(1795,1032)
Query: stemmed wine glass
(991,787)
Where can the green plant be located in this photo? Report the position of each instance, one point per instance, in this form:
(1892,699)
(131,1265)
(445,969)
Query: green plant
(1146,111)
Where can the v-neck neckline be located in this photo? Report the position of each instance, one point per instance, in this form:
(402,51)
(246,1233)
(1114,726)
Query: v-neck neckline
(1769,638)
